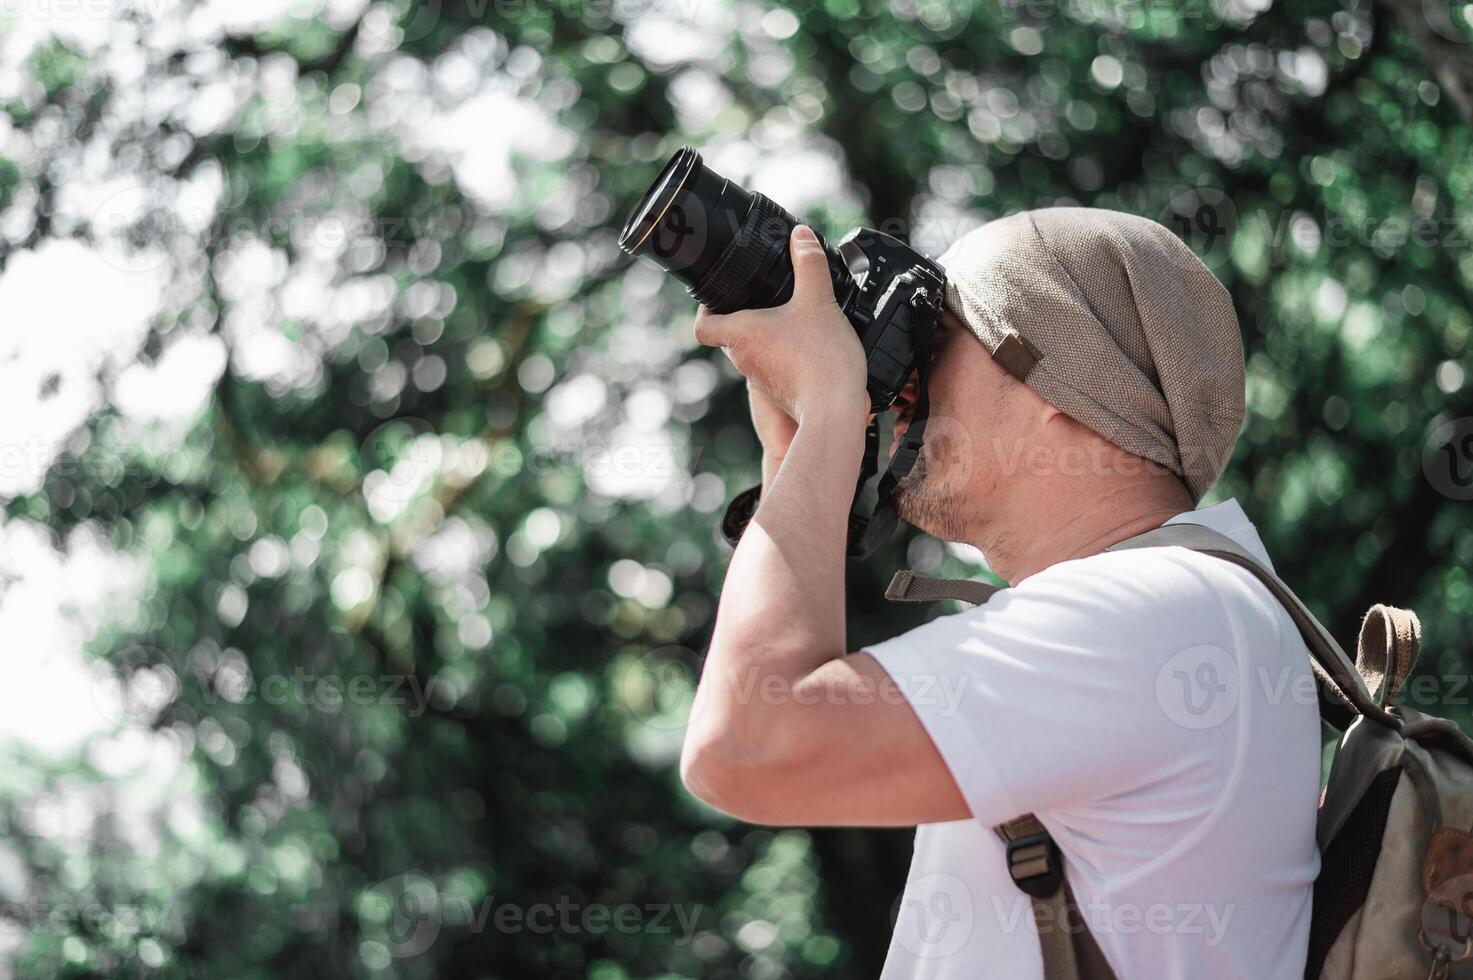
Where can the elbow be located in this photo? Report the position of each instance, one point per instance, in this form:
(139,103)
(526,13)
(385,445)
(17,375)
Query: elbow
(728,776)
(702,775)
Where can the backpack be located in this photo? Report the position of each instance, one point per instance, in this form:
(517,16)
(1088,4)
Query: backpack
(1394,897)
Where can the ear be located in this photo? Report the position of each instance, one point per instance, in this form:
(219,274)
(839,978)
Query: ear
(1047,413)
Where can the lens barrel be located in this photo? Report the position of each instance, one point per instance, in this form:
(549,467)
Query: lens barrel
(729,246)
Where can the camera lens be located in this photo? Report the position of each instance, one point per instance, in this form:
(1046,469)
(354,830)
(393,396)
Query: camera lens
(729,246)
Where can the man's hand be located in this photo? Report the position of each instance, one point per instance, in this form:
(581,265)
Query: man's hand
(802,355)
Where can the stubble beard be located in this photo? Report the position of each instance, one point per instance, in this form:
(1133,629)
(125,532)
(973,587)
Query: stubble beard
(925,500)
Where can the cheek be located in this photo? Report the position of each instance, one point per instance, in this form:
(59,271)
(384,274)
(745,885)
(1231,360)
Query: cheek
(954,438)
(960,395)
(975,434)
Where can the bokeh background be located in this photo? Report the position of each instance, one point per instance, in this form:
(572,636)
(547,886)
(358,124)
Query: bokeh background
(359,496)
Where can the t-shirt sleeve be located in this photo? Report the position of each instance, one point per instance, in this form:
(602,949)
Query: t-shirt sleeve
(1090,680)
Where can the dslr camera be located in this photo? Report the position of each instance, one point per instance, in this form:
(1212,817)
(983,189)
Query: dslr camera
(730,248)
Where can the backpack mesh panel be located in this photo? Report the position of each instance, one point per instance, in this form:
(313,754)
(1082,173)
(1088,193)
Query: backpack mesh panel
(1346,867)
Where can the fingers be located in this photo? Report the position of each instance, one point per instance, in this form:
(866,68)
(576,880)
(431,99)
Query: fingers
(712,329)
(810,267)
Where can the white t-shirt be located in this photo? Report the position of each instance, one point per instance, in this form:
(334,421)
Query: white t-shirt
(1156,710)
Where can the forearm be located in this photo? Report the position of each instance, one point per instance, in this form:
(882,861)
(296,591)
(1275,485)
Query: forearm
(781,613)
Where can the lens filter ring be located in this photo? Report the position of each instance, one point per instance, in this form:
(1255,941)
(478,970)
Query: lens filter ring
(657,200)
(731,281)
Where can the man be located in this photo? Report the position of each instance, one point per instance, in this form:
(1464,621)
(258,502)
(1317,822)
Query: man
(1153,707)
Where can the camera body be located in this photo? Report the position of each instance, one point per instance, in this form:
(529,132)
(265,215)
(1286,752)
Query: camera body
(891,287)
(730,247)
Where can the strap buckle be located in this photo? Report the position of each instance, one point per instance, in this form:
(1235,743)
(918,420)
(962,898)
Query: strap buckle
(1035,864)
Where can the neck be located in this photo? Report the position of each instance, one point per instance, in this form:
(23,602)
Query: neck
(1070,529)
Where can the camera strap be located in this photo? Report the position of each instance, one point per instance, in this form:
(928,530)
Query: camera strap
(867,534)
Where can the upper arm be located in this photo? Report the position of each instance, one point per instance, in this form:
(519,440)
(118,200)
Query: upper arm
(848,750)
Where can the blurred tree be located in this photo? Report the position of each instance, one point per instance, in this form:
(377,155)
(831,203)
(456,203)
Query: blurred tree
(427,571)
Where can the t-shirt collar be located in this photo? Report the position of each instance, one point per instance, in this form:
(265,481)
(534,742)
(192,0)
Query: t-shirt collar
(1228,518)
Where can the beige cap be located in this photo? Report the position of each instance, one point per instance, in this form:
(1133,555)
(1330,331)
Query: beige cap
(1116,322)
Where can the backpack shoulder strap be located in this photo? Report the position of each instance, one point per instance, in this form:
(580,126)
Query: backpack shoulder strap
(1343,691)
(1070,950)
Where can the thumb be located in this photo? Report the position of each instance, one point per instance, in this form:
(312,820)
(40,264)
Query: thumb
(811,280)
